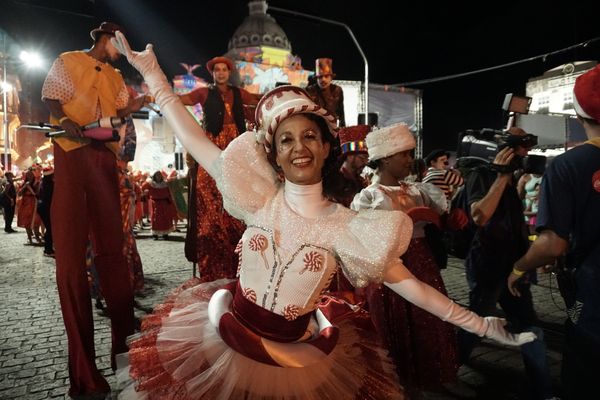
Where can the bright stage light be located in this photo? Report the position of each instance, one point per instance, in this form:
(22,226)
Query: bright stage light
(6,87)
(31,60)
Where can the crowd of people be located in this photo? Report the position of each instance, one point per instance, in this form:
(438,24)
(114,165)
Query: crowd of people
(318,243)
(27,194)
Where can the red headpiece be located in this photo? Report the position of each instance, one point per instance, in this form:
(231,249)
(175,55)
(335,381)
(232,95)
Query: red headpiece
(224,60)
(352,139)
(323,66)
(586,92)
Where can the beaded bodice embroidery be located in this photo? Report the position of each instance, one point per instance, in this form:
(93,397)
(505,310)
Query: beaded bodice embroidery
(287,261)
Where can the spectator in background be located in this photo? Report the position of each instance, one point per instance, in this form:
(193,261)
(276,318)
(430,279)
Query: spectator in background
(354,157)
(9,201)
(567,222)
(439,173)
(529,190)
(43,208)
(27,216)
(127,201)
(326,94)
(162,204)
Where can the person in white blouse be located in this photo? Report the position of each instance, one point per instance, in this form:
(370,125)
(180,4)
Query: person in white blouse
(272,333)
(423,346)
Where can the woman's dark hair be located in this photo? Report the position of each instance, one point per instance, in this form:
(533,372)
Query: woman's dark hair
(418,168)
(333,181)
(157,173)
(29,175)
(374,164)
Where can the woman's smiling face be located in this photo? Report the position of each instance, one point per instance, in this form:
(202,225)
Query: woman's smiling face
(301,151)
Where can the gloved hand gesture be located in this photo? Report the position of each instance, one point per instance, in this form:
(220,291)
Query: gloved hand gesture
(188,131)
(144,61)
(496,332)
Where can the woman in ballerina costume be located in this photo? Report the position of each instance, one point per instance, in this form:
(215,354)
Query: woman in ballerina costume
(271,334)
(423,347)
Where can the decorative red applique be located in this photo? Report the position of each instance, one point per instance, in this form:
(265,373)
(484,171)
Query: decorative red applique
(250,295)
(260,243)
(291,312)
(313,262)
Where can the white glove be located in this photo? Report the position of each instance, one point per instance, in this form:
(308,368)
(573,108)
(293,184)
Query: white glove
(187,130)
(145,62)
(496,331)
(429,299)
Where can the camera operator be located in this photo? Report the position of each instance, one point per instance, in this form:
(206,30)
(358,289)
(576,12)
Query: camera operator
(568,215)
(500,239)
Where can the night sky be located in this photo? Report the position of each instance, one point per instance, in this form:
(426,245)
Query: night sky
(420,41)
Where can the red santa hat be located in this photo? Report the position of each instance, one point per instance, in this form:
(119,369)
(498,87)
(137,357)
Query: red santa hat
(281,103)
(352,139)
(586,94)
(47,171)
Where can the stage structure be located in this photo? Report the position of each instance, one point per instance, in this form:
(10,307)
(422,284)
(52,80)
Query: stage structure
(387,105)
(551,114)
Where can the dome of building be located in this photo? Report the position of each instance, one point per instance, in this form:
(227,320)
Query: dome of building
(259,29)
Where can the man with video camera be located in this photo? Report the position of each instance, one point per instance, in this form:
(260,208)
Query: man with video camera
(500,239)
(567,222)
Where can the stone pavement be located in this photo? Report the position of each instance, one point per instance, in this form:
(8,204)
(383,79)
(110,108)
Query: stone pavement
(33,343)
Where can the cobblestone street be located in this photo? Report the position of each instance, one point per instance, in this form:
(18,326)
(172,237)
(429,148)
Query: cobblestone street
(33,362)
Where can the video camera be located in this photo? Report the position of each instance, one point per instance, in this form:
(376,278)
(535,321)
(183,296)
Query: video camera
(484,144)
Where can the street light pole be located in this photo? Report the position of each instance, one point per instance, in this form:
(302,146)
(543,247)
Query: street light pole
(5,105)
(329,21)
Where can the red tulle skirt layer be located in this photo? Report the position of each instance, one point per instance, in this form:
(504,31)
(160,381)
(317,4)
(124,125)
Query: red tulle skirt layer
(180,355)
(423,346)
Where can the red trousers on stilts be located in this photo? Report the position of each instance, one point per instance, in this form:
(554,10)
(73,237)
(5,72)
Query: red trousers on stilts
(86,201)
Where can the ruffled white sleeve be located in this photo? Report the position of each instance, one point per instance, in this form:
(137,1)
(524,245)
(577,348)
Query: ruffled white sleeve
(433,197)
(373,243)
(371,198)
(244,176)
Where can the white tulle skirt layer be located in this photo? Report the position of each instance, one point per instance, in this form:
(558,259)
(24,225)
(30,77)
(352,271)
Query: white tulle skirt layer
(180,355)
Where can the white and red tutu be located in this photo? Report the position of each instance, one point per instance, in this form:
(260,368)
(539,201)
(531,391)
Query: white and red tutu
(180,355)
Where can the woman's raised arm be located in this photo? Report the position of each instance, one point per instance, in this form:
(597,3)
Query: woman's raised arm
(188,131)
